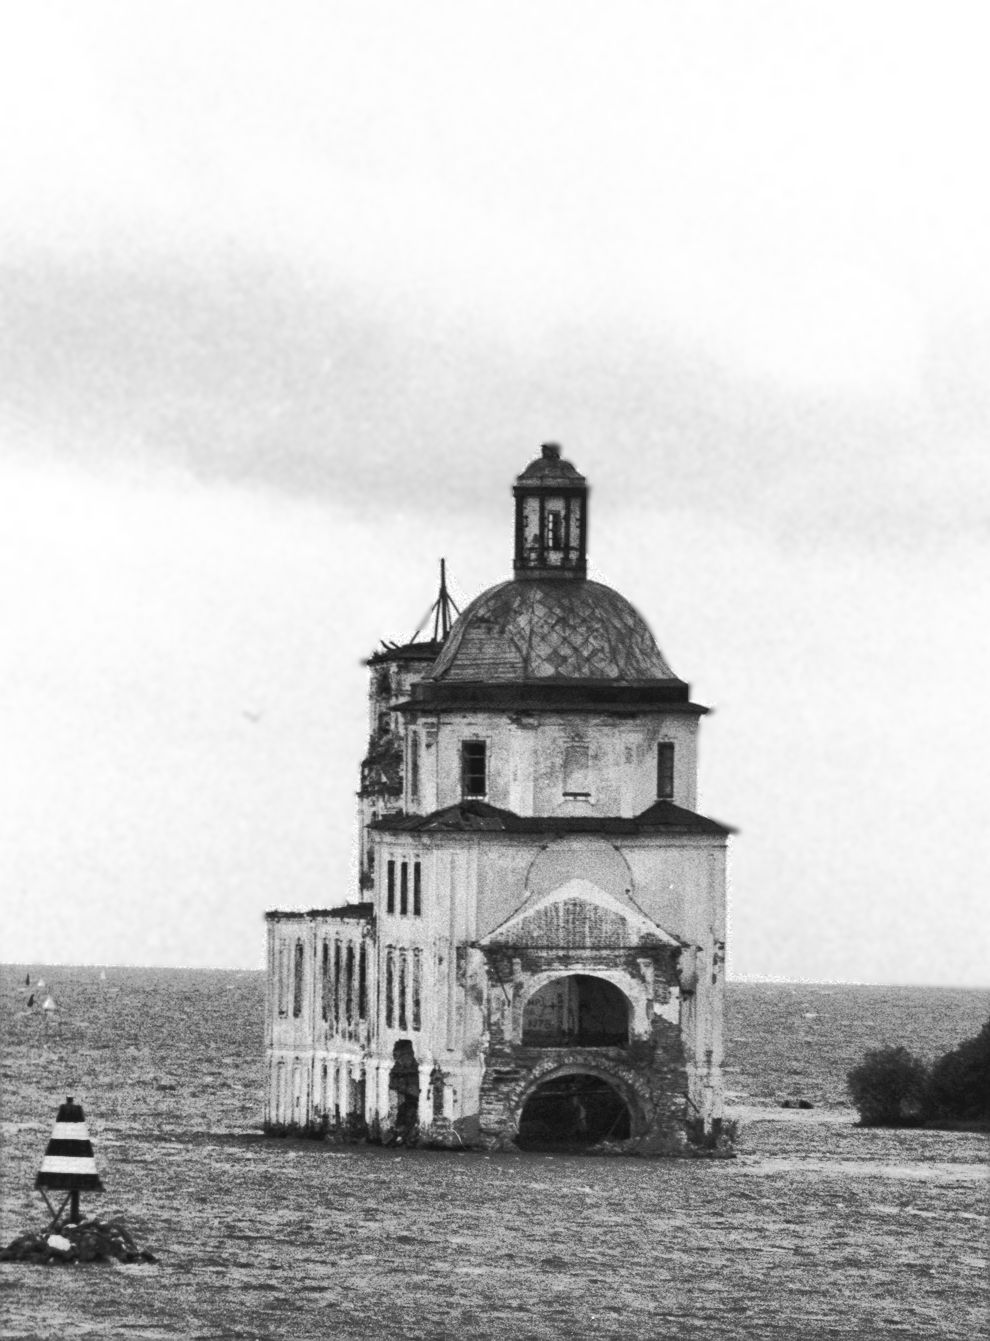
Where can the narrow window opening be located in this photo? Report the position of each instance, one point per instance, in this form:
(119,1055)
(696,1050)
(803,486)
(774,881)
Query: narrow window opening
(665,770)
(297,987)
(349,991)
(474,771)
(417,889)
(414,768)
(402,989)
(283,982)
(390,887)
(417,987)
(404,889)
(337,1012)
(325,981)
(554,529)
(436,1086)
(363,983)
(390,989)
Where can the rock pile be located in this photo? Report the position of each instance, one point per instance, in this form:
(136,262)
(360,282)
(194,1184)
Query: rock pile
(89,1241)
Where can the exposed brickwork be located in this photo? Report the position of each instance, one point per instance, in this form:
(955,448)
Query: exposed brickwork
(649,1072)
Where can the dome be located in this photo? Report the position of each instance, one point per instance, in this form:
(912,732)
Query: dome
(550,630)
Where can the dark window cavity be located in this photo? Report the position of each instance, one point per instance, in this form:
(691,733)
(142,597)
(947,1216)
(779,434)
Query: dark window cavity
(390,887)
(417,889)
(297,981)
(665,770)
(474,779)
(414,768)
(363,983)
(349,989)
(403,984)
(390,989)
(404,889)
(417,988)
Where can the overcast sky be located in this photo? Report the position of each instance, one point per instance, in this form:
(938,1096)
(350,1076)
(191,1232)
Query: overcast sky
(288,295)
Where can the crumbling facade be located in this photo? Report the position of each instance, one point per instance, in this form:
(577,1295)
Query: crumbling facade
(537,953)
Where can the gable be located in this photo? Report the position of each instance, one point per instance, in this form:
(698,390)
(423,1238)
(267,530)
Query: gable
(577,916)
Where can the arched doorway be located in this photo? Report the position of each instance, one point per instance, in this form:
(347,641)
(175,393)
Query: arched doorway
(571,1111)
(577,1011)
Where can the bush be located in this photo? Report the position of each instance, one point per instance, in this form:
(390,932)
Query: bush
(888,1088)
(958,1087)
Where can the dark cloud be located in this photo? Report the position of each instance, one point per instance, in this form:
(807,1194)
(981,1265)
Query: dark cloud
(253,374)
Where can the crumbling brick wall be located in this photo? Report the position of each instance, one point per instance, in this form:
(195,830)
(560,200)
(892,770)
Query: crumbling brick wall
(649,1072)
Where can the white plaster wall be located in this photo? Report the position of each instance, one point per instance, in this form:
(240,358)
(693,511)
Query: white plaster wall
(526,761)
(680,884)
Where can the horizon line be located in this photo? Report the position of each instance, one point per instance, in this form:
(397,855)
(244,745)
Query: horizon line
(735,979)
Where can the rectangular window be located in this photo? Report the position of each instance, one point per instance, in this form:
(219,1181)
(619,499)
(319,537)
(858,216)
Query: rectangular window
(363,982)
(404,888)
(283,981)
(403,985)
(554,522)
(389,989)
(349,984)
(417,889)
(297,982)
(417,989)
(390,887)
(665,770)
(576,781)
(414,768)
(474,771)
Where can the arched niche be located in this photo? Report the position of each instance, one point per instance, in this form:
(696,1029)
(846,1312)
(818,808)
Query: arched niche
(576,1010)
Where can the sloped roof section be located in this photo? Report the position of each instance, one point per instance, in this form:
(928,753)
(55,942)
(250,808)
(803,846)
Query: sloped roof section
(551,470)
(480,817)
(546,631)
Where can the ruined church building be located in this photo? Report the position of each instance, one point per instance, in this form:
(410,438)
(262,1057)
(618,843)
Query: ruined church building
(538,953)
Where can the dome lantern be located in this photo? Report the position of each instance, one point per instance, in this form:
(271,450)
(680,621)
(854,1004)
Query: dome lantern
(551,518)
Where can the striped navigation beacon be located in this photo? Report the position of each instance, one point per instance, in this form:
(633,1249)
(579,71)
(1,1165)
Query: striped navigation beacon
(68,1165)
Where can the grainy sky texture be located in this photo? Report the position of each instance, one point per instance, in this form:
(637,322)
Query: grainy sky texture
(288,295)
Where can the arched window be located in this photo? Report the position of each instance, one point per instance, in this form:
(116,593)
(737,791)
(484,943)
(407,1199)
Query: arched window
(576,1011)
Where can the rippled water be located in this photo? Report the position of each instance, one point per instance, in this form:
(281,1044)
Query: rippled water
(818,1229)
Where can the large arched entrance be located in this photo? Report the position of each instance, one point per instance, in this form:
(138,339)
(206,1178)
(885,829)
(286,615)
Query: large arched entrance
(571,1111)
(577,1011)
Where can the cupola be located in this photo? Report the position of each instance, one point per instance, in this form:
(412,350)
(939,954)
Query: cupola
(551,518)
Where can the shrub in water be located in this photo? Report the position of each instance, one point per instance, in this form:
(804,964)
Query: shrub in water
(888,1088)
(959,1084)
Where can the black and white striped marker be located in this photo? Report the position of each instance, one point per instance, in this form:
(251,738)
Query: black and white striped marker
(69,1164)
